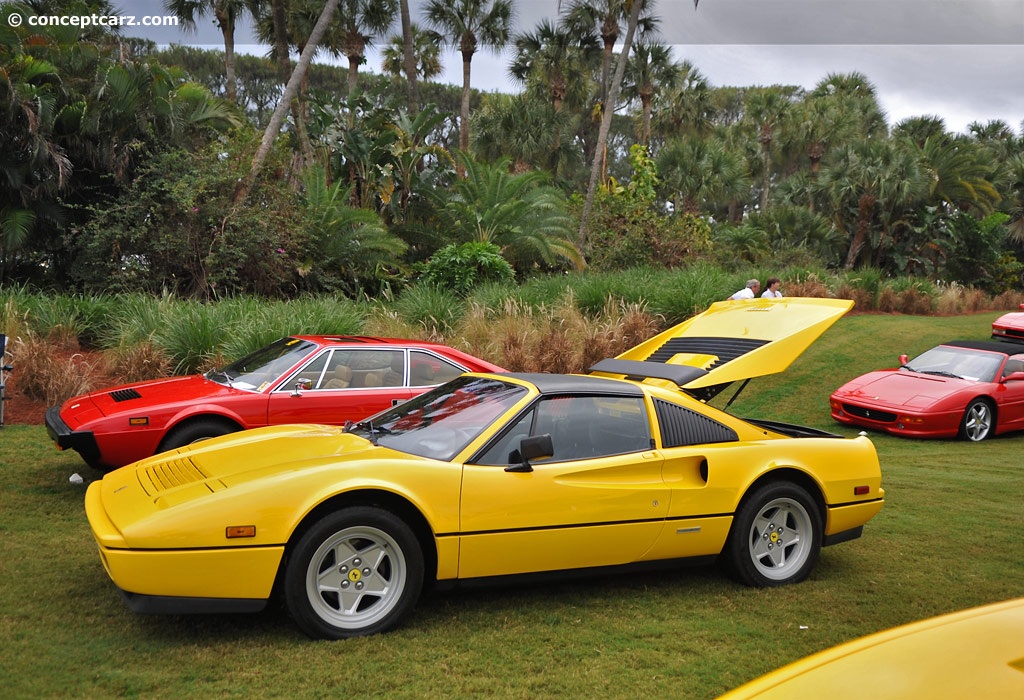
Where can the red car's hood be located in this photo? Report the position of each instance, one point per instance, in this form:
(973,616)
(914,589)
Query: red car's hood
(1012,320)
(895,387)
(141,395)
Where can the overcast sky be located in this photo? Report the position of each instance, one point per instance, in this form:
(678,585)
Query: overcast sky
(959,59)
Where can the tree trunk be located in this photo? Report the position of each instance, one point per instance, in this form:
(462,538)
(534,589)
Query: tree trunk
(467,60)
(865,207)
(606,123)
(290,91)
(227,30)
(409,58)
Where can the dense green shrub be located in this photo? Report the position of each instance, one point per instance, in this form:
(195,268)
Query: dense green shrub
(462,267)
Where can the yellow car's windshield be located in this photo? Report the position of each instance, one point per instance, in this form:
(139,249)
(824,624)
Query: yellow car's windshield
(441,422)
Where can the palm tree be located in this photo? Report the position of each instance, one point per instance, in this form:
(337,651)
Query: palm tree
(34,168)
(519,213)
(767,110)
(409,62)
(698,173)
(226,13)
(470,24)
(688,105)
(527,130)
(351,240)
(426,57)
(362,22)
(959,173)
(290,91)
(554,58)
(606,17)
(650,71)
(919,129)
(857,95)
(864,175)
(606,118)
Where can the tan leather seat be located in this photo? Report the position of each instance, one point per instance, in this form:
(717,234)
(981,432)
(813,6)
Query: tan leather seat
(341,379)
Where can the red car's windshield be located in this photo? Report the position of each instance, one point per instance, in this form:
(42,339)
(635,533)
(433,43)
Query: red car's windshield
(961,363)
(257,370)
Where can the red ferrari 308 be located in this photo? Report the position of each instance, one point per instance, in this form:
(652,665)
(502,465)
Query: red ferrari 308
(966,389)
(301,379)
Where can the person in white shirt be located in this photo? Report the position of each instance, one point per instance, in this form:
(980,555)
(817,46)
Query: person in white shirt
(772,291)
(748,292)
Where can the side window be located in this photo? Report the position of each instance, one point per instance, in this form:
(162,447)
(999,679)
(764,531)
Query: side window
(1014,364)
(426,369)
(313,372)
(681,426)
(375,368)
(497,454)
(338,374)
(581,427)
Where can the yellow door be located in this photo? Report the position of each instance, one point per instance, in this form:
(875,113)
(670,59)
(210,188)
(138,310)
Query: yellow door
(599,500)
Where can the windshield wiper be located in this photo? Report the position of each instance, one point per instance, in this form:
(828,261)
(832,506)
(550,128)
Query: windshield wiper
(940,373)
(222,373)
(369,427)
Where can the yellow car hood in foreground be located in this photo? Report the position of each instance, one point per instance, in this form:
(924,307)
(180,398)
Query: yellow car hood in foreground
(737,340)
(976,653)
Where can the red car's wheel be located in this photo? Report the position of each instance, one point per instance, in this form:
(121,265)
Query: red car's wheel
(979,421)
(196,431)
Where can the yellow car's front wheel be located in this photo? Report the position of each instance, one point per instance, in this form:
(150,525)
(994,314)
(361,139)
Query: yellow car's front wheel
(357,571)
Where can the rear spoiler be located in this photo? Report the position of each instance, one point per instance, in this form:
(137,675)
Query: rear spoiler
(638,370)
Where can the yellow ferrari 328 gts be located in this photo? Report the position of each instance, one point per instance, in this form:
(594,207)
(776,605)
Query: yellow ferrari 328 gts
(497,475)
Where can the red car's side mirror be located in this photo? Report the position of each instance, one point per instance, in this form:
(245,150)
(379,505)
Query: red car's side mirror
(1013,377)
(903,360)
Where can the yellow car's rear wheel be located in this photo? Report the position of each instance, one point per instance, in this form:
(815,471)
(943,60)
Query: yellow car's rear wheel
(357,571)
(776,536)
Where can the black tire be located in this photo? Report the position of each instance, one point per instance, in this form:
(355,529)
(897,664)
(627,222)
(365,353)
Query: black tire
(776,536)
(979,421)
(357,571)
(196,431)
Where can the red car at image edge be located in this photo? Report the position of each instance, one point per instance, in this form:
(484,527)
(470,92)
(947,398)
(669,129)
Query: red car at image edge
(1010,326)
(299,379)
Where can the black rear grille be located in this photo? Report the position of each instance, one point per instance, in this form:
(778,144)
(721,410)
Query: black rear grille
(725,349)
(869,413)
(124,395)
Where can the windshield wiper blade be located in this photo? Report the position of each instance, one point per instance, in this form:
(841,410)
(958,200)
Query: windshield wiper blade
(373,430)
(941,373)
(221,373)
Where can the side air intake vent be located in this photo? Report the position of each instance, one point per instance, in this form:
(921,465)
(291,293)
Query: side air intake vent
(681,426)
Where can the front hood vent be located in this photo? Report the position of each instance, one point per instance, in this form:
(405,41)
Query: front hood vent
(168,474)
(124,395)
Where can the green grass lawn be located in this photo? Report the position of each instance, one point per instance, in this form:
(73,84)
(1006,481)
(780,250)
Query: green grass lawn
(950,537)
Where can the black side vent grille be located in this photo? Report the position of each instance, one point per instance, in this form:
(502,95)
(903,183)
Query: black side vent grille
(725,348)
(125,395)
(681,426)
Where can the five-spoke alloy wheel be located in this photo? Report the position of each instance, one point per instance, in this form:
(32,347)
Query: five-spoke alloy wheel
(776,536)
(357,571)
(978,421)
